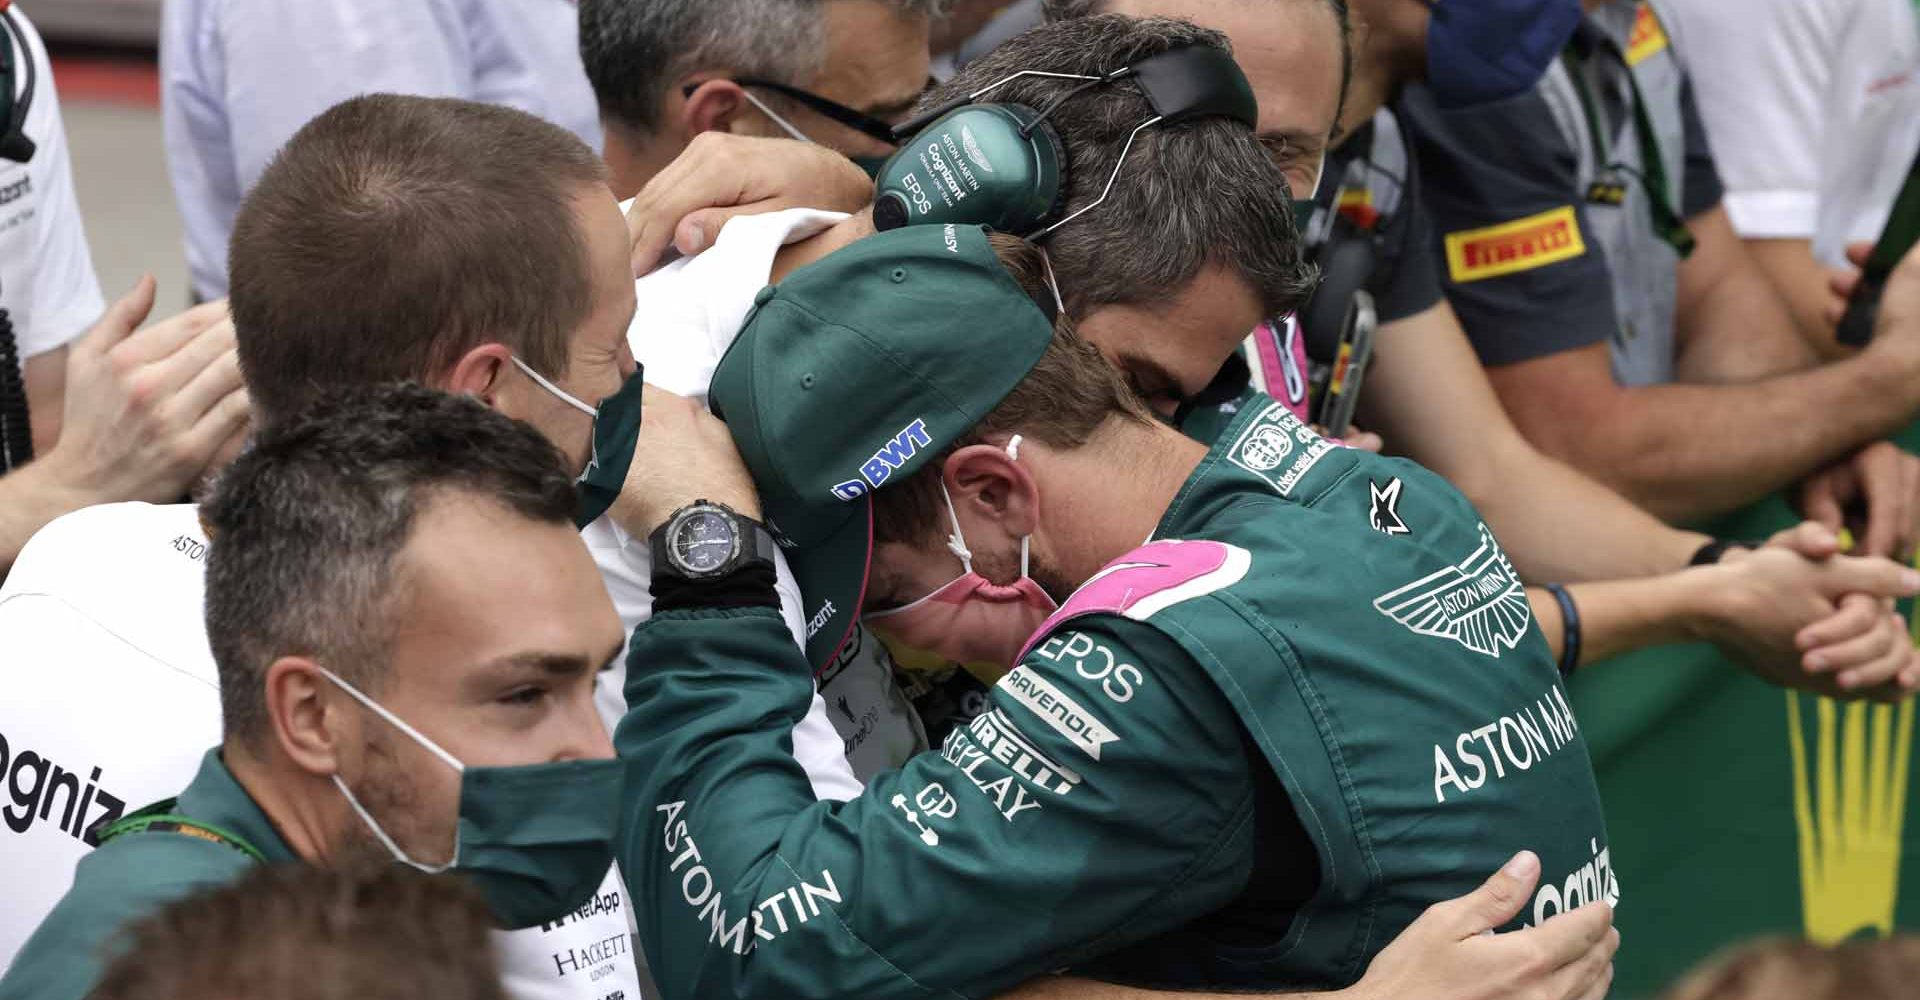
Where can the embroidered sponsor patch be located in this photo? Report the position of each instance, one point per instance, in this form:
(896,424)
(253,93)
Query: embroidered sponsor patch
(1511,247)
(1279,448)
(1648,39)
(1479,603)
(1058,709)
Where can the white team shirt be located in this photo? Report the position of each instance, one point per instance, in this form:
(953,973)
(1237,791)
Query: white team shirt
(112,699)
(689,314)
(1812,108)
(47,283)
(239,77)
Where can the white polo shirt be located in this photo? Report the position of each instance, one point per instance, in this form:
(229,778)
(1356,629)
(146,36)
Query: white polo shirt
(47,283)
(239,77)
(1812,108)
(689,314)
(112,698)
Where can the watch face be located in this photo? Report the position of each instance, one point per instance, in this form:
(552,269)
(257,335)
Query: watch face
(703,541)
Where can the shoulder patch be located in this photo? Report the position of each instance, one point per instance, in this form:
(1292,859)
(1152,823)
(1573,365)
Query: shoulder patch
(1648,39)
(1279,448)
(1149,580)
(1511,247)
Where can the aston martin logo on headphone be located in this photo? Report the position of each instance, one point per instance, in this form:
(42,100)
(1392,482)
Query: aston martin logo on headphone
(974,152)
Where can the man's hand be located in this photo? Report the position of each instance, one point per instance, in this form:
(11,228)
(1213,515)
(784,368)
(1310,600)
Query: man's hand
(684,454)
(1449,954)
(1885,480)
(147,413)
(1814,622)
(722,175)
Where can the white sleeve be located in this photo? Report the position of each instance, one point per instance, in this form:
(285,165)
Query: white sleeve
(1762,74)
(52,295)
(241,76)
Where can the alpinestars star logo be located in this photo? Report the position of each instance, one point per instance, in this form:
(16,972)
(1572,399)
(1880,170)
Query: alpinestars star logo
(1480,603)
(1384,514)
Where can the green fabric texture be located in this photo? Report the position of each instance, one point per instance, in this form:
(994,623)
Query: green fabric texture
(1105,798)
(932,331)
(1740,809)
(133,875)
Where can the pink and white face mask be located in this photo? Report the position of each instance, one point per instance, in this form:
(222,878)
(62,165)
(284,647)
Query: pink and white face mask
(971,620)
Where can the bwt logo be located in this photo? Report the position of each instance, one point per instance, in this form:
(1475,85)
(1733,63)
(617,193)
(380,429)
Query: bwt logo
(891,457)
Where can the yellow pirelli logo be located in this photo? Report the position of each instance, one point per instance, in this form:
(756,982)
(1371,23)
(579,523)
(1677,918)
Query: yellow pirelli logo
(1648,38)
(1511,247)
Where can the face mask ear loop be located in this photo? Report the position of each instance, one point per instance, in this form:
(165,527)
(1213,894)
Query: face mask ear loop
(1013,452)
(1053,284)
(399,855)
(775,116)
(565,396)
(956,542)
(394,720)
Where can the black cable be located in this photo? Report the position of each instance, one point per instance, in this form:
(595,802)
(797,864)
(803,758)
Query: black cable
(16,427)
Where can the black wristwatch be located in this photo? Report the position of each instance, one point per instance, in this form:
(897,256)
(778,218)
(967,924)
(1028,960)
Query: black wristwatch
(705,540)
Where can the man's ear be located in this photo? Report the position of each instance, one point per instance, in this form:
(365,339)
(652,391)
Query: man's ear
(985,481)
(712,106)
(480,372)
(306,719)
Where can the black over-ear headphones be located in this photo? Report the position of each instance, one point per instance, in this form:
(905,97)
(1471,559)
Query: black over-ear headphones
(14,144)
(1004,166)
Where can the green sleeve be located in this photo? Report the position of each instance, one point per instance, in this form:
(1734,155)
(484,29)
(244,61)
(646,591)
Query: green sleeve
(1103,797)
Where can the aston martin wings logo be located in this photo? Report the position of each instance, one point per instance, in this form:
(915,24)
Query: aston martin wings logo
(1480,603)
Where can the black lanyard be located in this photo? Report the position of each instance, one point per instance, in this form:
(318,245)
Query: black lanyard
(1667,223)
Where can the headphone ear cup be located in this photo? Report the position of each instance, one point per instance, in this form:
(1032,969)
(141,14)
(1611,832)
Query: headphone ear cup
(991,165)
(1062,180)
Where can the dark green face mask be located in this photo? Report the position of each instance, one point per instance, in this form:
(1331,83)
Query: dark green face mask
(616,428)
(537,840)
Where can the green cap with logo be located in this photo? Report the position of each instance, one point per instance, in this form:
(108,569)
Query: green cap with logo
(854,373)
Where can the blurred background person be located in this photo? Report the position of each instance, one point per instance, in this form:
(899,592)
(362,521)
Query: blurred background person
(1813,109)
(1793,969)
(835,72)
(241,76)
(295,932)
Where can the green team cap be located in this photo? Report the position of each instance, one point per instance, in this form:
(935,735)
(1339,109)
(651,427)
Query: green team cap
(853,373)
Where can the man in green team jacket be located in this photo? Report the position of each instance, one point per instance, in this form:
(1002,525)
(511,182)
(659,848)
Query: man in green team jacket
(1243,755)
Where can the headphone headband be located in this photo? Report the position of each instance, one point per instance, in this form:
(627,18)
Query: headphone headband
(1198,81)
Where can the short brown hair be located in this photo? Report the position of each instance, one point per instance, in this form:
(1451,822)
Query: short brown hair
(1071,392)
(1790,967)
(300,932)
(392,234)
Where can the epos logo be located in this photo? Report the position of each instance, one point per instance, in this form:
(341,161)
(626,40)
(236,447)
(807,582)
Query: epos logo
(891,457)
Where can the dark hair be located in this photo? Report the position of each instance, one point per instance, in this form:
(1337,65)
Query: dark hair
(307,525)
(635,49)
(302,932)
(392,234)
(1059,10)
(1071,393)
(1190,193)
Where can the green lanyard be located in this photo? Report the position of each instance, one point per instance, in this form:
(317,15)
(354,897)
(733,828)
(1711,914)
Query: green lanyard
(1667,223)
(160,818)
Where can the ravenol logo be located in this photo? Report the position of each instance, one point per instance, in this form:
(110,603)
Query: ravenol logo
(891,457)
(1520,245)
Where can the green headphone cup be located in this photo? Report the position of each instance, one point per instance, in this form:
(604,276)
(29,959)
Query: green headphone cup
(982,164)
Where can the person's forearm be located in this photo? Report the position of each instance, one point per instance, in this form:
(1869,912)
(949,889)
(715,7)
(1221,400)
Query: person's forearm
(1731,325)
(1620,616)
(1530,500)
(1691,451)
(29,499)
(1802,282)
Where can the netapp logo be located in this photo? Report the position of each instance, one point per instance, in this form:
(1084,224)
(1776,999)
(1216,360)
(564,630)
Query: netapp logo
(36,786)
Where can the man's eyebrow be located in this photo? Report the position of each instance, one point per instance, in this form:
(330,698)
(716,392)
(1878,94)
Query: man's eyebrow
(533,662)
(1134,363)
(613,655)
